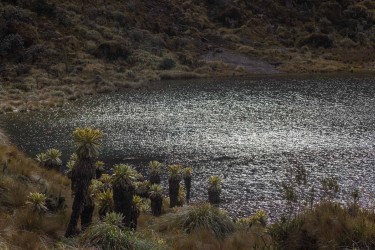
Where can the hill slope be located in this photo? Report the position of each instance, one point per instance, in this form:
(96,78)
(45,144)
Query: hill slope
(56,51)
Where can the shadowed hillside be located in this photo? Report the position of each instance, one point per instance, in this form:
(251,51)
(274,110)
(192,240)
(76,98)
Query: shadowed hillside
(54,51)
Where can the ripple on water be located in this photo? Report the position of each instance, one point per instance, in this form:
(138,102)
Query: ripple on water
(242,130)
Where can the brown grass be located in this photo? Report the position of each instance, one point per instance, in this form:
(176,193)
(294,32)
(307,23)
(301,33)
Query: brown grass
(19,226)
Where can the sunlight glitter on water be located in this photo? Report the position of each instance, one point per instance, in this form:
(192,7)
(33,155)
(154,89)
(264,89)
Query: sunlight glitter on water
(242,130)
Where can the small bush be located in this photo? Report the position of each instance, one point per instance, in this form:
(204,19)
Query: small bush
(34,53)
(120,18)
(167,63)
(63,18)
(12,13)
(316,40)
(136,35)
(43,8)
(112,51)
(356,11)
(22,70)
(10,44)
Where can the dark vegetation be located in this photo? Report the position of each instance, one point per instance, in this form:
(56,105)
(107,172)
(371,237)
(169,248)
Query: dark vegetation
(35,202)
(53,52)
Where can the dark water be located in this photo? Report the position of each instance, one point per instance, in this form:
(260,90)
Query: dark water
(245,131)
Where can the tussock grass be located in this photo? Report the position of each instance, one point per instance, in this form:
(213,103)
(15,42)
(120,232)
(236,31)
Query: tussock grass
(25,222)
(109,235)
(202,216)
(328,226)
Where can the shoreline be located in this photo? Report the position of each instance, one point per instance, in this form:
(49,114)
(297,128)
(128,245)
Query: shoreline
(35,100)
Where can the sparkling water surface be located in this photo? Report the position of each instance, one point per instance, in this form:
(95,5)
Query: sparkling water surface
(244,130)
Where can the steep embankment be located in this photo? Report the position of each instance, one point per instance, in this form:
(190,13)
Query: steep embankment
(53,52)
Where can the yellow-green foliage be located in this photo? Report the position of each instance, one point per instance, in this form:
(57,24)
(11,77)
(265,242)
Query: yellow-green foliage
(96,187)
(214,182)
(156,190)
(260,218)
(99,164)
(87,142)
(124,175)
(174,171)
(105,199)
(186,172)
(37,202)
(154,167)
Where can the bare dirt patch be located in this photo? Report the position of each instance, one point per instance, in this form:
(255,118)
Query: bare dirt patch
(249,64)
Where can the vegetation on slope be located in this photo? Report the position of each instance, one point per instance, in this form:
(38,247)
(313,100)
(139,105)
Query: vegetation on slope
(53,51)
(35,206)
(32,202)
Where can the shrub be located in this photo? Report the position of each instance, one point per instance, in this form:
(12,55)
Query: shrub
(63,18)
(13,13)
(356,11)
(316,40)
(120,18)
(34,53)
(329,226)
(167,63)
(260,218)
(283,232)
(10,44)
(136,35)
(112,51)
(207,217)
(22,70)
(43,8)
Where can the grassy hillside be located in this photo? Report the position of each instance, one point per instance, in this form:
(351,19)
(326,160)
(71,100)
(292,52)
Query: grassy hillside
(53,52)
(21,227)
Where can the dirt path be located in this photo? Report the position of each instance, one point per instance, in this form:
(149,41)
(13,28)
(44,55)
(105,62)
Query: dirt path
(251,65)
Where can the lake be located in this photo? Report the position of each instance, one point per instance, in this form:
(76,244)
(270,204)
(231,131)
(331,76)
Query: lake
(244,130)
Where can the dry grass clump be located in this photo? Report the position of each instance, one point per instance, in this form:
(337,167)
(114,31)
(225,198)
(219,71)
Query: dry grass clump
(203,216)
(328,226)
(109,234)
